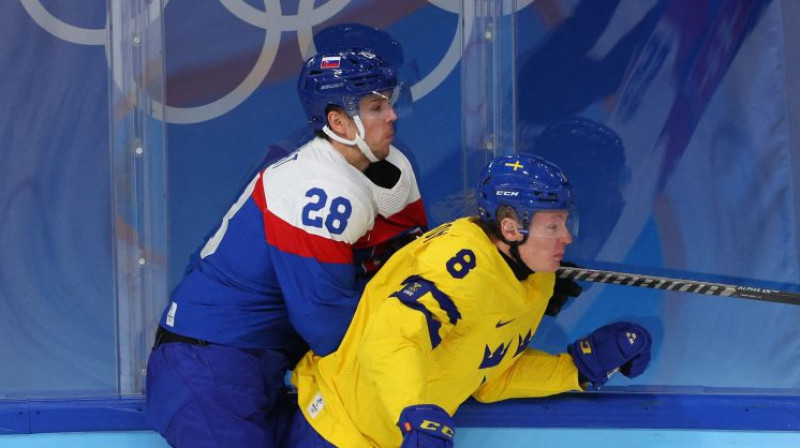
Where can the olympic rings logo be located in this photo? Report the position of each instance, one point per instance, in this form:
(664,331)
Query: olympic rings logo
(272,19)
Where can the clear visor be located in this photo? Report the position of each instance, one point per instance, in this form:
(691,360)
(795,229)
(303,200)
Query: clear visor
(554,224)
(386,105)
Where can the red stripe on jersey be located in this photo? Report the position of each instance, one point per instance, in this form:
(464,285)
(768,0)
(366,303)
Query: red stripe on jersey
(413,215)
(290,239)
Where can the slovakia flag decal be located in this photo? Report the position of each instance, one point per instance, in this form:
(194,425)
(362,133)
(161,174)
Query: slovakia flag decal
(330,62)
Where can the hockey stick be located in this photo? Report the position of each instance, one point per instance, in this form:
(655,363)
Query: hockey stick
(679,285)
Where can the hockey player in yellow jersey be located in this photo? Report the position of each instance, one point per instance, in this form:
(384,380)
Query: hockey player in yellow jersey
(450,317)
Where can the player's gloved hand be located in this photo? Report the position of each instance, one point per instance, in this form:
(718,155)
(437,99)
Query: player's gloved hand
(371,259)
(622,346)
(563,290)
(426,426)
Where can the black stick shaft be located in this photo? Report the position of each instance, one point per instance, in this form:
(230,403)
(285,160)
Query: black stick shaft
(679,285)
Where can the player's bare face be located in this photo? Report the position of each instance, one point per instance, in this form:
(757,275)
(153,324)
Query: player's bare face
(548,237)
(378,117)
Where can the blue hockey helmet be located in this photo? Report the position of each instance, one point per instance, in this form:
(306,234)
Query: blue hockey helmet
(527,184)
(355,35)
(341,77)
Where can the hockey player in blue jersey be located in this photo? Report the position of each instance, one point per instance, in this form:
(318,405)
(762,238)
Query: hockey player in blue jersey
(284,270)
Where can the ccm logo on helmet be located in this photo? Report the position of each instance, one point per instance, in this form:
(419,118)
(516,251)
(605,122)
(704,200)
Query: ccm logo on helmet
(506,193)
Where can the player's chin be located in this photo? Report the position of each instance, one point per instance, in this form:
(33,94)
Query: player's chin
(552,265)
(543,266)
(382,152)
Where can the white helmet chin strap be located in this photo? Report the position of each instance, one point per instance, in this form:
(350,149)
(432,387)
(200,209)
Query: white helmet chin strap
(358,141)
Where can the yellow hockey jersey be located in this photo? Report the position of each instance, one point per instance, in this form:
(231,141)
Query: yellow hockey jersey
(443,320)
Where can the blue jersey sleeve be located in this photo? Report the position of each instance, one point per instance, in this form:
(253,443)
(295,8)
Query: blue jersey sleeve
(318,280)
(321,298)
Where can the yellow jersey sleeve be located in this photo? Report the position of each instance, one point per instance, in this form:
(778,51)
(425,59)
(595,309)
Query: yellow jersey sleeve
(534,374)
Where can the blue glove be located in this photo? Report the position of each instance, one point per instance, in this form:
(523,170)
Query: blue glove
(426,426)
(622,346)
